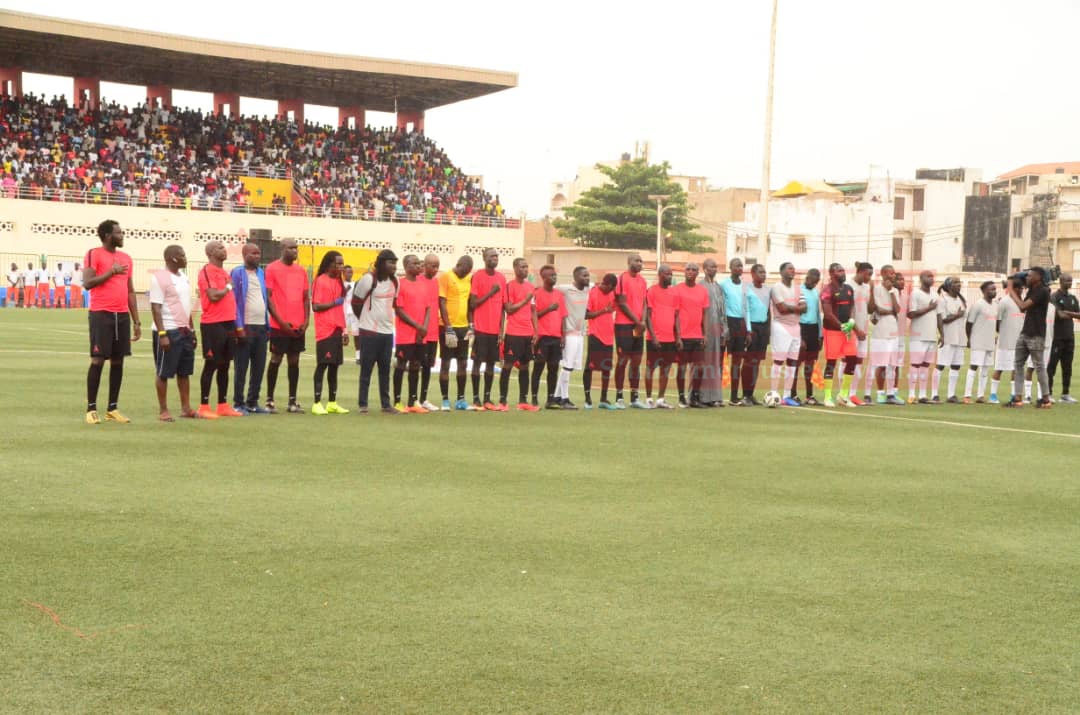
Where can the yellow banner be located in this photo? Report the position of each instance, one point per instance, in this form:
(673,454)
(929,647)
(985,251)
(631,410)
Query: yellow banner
(361,259)
(262,191)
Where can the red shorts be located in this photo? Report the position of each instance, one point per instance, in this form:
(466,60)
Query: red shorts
(838,345)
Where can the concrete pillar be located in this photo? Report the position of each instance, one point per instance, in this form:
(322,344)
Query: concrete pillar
(88,91)
(296,106)
(160,93)
(227,103)
(414,118)
(11,81)
(344,114)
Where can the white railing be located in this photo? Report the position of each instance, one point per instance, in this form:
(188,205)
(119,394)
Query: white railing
(167,200)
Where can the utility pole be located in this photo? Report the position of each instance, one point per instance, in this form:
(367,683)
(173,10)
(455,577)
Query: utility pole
(766,161)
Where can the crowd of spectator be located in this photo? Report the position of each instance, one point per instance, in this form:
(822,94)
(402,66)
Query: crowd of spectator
(182,158)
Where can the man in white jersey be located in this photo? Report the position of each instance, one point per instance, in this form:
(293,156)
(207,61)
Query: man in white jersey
(61,279)
(1010,322)
(951,312)
(14,286)
(861,315)
(785,334)
(352,324)
(922,312)
(982,331)
(577,298)
(896,362)
(885,307)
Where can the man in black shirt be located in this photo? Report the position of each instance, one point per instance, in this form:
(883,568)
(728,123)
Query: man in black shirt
(1032,340)
(1066,310)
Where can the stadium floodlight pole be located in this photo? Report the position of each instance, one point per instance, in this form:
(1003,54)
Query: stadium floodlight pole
(660,209)
(766,161)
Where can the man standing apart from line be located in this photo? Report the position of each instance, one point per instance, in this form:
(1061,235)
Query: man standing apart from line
(218,333)
(660,318)
(884,306)
(692,306)
(629,331)
(413,316)
(576,296)
(758,300)
(44,280)
(14,286)
(712,364)
(486,299)
(108,277)
(30,286)
(61,282)
(550,338)
(863,273)
(1032,341)
(922,312)
(289,303)
(174,341)
(600,312)
(454,288)
(249,282)
(430,280)
(1067,310)
(738,322)
(953,341)
(788,304)
(837,309)
(981,326)
(809,336)
(518,341)
(328,295)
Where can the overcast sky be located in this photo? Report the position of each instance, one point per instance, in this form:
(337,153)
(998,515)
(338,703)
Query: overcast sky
(938,83)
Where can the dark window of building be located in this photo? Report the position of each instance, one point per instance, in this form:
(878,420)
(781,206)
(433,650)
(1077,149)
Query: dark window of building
(898,249)
(916,249)
(1018,227)
(898,208)
(798,244)
(918,199)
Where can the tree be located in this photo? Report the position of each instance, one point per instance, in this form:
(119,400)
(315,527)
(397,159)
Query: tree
(620,213)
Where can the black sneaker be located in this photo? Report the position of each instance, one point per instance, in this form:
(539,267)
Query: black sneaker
(553,405)
(751,401)
(953,400)
(1013,403)
(936,399)
(567,404)
(924,401)
(811,401)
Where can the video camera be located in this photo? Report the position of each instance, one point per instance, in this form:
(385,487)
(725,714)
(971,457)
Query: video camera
(1050,275)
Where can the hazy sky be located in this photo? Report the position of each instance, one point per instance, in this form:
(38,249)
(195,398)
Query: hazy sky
(942,83)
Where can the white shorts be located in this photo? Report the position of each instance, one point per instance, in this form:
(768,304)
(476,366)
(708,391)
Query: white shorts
(883,351)
(784,341)
(352,324)
(982,358)
(897,358)
(922,351)
(572,350)
(861,348)
(951,355)
(1006,360)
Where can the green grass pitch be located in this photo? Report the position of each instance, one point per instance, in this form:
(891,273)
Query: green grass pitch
(693,561)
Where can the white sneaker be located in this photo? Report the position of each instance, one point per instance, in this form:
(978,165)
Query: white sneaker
(661,404)
(649,403)
(426,404)
(1068,399)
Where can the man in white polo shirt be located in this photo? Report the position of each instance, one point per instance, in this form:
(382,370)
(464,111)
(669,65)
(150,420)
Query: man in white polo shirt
(577,297)
(951,310)
(174,337)
(981,331)
(885,342)
(922,311)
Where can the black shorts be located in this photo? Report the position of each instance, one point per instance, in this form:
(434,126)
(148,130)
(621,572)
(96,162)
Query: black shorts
(664,356)
(600,355)
(179,359)
(485,349)
(460,353)
(110,334)
(285,344)
(409,352)
(328,351)
(811,337)
(517,349)
(759,338)
(627,342)
(737,336)
(218,341)
(431,350)
(693,351)
(549,350)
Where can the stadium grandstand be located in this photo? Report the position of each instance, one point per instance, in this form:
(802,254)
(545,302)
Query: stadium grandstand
(154,166)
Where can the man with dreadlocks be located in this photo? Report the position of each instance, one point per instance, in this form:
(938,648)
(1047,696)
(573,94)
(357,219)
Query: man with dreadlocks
(327,297)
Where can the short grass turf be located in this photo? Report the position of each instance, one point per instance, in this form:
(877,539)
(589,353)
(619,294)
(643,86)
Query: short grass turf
(772,560)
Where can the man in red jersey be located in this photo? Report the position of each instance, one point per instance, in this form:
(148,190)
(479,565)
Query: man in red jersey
(430,280)
(661,301)
(600,312)
(486,298)
(414,316)
(289,303)
(218,333)
(692,305)
(550,335)
(629,330)
(521,328)
(107,277)
(327,299)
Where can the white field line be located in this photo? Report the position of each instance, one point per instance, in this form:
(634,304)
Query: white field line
(966,425)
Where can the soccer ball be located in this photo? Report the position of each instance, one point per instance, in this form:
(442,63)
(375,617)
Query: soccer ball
(772,398)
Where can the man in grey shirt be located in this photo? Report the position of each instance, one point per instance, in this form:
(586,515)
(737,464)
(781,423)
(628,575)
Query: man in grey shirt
(577,298)
(250,283)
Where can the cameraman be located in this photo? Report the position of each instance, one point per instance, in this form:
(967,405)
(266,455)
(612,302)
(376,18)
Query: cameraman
(1032,340)
(1061,350)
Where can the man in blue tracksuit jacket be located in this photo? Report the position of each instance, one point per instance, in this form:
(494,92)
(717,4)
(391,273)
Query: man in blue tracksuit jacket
(249,282)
